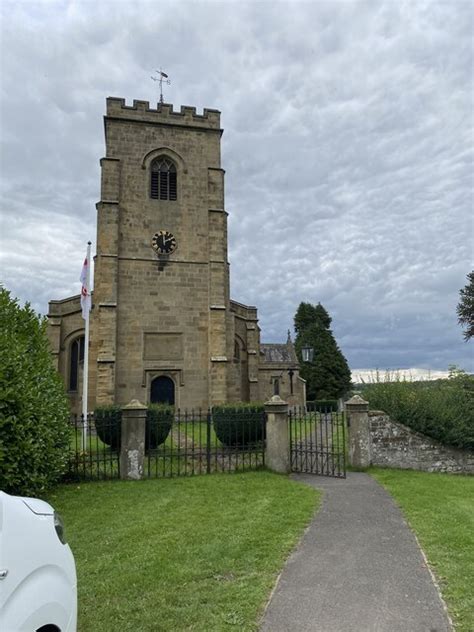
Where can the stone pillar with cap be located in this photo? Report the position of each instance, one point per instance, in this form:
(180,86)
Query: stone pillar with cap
(132,447)
(277,455)
(357,410)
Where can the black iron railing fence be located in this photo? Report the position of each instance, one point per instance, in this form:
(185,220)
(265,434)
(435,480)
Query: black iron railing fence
(89,456)
(318,442)
(189,443)
(185,444)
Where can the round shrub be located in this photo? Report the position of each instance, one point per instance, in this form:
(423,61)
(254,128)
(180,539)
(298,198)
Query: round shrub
(108,420)
(34,412)
(159,419)
(239,424)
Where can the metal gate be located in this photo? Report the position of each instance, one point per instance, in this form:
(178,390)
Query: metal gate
(318,442)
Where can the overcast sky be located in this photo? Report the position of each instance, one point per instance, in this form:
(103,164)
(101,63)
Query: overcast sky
(348,150)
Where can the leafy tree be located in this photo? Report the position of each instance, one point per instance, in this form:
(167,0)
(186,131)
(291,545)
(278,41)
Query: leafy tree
(328,375)
(465,308)
(34,429)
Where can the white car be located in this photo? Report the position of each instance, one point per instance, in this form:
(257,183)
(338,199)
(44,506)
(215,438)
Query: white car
(38,586)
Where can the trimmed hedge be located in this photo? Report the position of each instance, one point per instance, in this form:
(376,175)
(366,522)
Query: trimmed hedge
(159,419)
(34,413)
(322,405)
(443,409)
(240,424)
(108,421)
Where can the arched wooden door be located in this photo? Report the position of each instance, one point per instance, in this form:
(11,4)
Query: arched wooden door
(162,390)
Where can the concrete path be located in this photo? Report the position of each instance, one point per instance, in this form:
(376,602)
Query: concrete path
(358,568)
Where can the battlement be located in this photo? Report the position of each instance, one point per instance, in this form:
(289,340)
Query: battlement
(163,113)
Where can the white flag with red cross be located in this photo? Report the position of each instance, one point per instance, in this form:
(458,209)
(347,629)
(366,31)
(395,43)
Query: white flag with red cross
(85,290)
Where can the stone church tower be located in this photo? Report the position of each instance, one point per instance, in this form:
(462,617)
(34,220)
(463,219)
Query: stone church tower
(163,327)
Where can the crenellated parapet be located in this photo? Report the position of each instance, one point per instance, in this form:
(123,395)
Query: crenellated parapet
(163,113)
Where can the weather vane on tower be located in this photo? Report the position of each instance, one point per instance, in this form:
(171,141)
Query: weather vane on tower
(162,77)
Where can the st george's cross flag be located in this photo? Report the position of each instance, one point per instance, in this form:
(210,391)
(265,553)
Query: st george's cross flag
(85,290)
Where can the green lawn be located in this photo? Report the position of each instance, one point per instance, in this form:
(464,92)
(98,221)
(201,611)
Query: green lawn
(186,432)
(314,428)
(440,509)
(195,554)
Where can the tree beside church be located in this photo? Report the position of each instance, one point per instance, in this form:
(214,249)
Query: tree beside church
(327,375)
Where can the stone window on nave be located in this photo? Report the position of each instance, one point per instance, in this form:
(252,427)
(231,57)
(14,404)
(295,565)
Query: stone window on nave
(76,360)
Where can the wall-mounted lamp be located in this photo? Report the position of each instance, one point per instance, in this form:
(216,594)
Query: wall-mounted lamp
(307,354)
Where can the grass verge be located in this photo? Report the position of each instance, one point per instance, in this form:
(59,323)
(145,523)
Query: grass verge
(440,510)
(181,554)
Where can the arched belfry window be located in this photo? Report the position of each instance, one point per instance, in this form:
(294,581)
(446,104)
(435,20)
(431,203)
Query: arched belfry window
(76,359)
(163,179)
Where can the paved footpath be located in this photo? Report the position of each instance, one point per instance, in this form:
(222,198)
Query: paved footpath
(357,569)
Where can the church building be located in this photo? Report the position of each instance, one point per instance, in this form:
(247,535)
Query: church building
(163,327)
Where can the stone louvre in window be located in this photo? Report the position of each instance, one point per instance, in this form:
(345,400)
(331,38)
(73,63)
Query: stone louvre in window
(163,183)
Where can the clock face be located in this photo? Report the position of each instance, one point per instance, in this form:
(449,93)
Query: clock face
(163,242)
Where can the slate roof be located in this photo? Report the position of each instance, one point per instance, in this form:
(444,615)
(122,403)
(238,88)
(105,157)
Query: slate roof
(278,353)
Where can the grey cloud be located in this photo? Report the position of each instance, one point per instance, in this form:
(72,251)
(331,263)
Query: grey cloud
(348,151)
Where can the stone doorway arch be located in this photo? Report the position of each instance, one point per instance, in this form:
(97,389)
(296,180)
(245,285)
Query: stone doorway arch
(162,390)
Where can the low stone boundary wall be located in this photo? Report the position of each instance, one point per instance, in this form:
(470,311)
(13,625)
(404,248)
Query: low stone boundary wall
(394,445)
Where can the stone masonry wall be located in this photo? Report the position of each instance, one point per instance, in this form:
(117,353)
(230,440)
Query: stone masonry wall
(65,326)
(395,445)
(161,317)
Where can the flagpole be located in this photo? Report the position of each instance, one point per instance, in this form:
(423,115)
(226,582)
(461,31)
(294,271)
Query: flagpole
(85,372)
